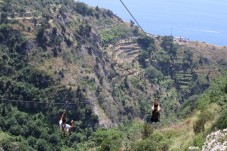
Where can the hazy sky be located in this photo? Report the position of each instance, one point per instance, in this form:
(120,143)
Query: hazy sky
(203,20)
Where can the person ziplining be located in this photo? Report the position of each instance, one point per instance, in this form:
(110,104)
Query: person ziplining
(155,109)
(64,127)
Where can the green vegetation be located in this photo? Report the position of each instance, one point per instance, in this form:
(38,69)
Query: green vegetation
(43,62)
(148,46)
(153,75)
(215,94)
(147,43)
(112,34)
(155,141)
(33,126)
(108,139)
(83,9)
(12,39)
(221,122)
(84,30)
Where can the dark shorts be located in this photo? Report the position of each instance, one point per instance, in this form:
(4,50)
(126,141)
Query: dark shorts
(155,118)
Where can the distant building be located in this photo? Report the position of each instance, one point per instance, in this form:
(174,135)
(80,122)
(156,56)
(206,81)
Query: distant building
(179,38)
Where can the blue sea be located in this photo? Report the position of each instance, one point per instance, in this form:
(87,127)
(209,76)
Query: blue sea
(197,20)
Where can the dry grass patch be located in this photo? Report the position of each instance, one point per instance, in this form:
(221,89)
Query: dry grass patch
(181,133)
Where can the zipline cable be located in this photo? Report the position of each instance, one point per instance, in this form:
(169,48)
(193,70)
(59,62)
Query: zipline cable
(36,102)
(132,16)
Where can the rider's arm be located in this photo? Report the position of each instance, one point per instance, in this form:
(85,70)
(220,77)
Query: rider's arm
(63,115)
(159,108)
(72,124)
(152,108)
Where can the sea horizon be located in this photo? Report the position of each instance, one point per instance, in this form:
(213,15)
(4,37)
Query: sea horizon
(196,20)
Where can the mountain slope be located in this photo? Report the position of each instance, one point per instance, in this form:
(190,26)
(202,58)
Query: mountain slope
(112,81)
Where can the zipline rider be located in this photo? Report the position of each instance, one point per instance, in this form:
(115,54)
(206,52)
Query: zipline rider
(64,127)
(155,109)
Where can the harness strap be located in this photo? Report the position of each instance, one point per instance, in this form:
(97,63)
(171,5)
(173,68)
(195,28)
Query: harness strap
(63,127)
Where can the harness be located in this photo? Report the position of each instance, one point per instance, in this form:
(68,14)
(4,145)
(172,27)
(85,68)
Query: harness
(63,133)
(63,127)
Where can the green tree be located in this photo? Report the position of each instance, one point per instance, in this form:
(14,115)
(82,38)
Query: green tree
(167,43)
(41,145)
(10,122)
(188,56)
(135,30)
(152,74)
(145,42)
(83,9)
(31,141)
(41,37)
(4,18)
(84,30)
(15,130)
(7,144)
(132,23)
(221,123)
(54,139)
(143,57)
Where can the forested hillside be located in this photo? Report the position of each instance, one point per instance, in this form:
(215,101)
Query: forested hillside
(109,71)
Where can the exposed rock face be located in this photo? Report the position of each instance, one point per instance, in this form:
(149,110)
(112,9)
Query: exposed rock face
(193,148)
(216,141)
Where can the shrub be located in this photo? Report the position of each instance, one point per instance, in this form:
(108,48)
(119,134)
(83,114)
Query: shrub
(222,120)
(54,139)
(31,141)
(108,139)
(167,43)
(83,9)
(13,39)
(109,35)
(199,140)
(205,116)
(15,130)
(41,37)
(84,30)
(142,58)
(155,142)
(146,42)
(147,130)
(7,145)
(153,75)
(10,122)
(41,145)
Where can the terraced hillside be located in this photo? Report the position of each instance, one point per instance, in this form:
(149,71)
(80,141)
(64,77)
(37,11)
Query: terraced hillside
(61,51)
(201,62)
(73,62)
(184,80)
(125,51)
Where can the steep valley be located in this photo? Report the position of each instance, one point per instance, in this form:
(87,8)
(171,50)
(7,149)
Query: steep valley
(53,51)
